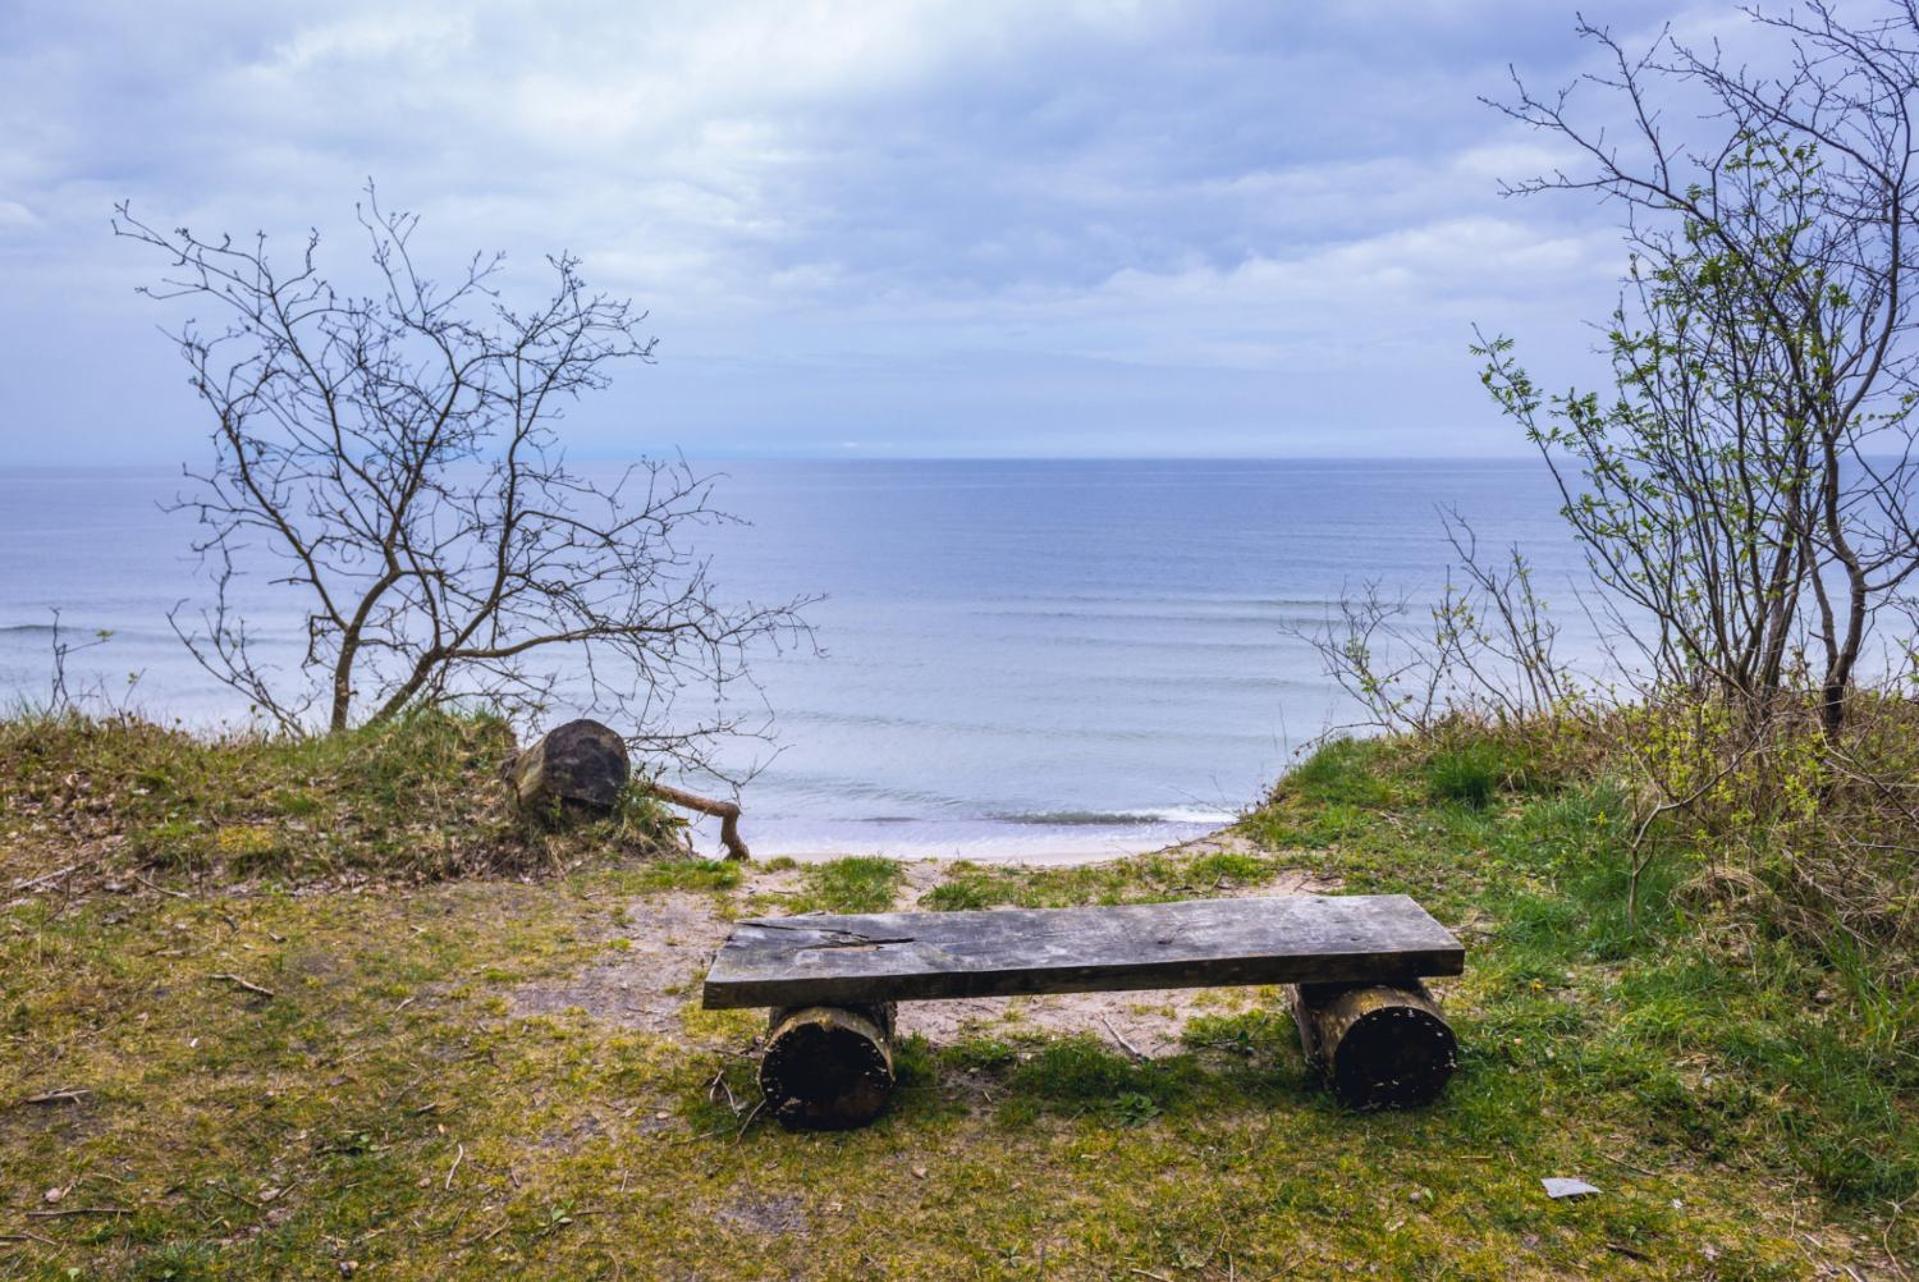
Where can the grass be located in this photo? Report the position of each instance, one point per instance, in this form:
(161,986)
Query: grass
(855,884)
(1144,879)
(415,798)
(1467,776)
(1746,1104)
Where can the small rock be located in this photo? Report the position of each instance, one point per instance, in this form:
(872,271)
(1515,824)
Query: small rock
(919,1172)
(1559,1186)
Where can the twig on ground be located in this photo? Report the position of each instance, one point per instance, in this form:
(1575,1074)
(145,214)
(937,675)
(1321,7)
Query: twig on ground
(65,1095)
(1125,1045)
(57,873)
(241,1198)
(1637,1170)
(458,1158)
(719,1082)
(247,984)
(741,1133)
(177,894)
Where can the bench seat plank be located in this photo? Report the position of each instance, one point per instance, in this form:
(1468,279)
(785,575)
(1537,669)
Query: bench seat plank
(817,959)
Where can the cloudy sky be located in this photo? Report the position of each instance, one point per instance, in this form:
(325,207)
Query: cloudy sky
(862,227)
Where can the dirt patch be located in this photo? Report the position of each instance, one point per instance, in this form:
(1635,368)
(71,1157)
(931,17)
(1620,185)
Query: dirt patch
(771,1216)
(921,876)
(670,938)
(1146,1022)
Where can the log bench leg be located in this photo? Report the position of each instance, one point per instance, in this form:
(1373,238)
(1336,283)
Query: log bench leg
(828,1068)
(1376,1045)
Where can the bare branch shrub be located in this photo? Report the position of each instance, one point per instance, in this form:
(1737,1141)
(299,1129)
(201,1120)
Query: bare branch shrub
(64,697)
(394,457)
(1484,650)
(1750,480)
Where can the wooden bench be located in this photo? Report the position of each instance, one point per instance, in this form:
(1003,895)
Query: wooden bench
(1354,964)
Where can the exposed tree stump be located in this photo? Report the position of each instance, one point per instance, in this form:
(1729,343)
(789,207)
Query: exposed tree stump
(1376,1045)
(828,1068)
(580,767)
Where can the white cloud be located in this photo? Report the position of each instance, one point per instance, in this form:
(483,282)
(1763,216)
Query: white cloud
(855,185)
(15,216)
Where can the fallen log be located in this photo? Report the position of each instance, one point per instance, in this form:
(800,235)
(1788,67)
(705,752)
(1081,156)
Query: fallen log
(1376,1045)
(581,766)
(828,1068)
(727,812)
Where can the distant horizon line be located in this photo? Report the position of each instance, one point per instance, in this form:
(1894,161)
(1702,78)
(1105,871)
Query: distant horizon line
(52,465)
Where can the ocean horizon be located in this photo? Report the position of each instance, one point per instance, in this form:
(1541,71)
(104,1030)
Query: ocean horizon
(1024,659)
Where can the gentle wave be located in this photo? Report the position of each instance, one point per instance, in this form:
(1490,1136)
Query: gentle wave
(1009,730)
(1103,818)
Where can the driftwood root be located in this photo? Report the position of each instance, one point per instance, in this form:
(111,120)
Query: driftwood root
(727,812)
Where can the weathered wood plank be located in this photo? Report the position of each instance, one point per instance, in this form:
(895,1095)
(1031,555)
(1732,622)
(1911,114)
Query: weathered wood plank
(881,957)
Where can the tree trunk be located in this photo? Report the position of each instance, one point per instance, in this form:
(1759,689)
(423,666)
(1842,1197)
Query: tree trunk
(1376,1045)
(580,767)
(828,1068)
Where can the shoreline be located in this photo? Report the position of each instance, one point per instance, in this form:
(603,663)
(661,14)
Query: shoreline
(1058,846)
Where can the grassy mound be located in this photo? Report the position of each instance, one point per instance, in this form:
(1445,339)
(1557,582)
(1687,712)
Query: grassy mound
(1612,958)
(416,799)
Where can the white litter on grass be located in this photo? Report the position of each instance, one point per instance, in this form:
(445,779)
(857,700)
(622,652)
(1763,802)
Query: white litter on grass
(1557,1187)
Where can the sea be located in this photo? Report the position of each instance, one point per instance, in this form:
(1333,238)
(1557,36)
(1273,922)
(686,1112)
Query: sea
(1015,659)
